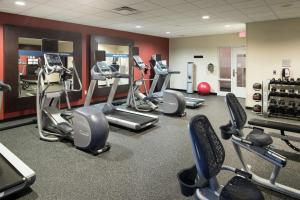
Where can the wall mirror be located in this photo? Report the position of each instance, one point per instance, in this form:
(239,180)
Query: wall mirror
(118,57)
(30,58)
(23,55)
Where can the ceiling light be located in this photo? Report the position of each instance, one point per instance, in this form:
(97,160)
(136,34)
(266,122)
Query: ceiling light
(168,32)
(205,17)
(227,26)
(138,26)
(20,3)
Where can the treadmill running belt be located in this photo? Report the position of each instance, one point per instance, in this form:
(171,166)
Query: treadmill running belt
(140,119)
(9,176)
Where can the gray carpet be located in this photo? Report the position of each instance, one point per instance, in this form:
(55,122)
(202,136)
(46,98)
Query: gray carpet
(139,166)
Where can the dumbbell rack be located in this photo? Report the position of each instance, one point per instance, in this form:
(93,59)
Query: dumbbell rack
(281,99)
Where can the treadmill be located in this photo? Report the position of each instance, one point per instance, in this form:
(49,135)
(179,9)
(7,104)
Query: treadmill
(162,70)
(116,116)
(15,175)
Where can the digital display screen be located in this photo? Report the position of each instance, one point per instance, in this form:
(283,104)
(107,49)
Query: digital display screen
(53,59)
(100,56)
(158,57)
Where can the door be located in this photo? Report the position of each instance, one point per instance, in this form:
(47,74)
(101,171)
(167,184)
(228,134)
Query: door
(232,77)
(238,72)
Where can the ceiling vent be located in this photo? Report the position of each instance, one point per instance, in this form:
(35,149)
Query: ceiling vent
(125,10)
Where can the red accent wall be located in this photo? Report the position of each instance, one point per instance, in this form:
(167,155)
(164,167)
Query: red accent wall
(148,45)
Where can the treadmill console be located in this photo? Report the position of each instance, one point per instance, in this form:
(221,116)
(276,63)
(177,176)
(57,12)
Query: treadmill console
(52,60)
(139,62)
(101,71)
(53,63)
(159,67)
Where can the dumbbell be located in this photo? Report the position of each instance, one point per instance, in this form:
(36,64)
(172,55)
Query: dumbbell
(273,101)
(298,110)
(278,81)
(292,81)
(292,93)
(256,108)
(282,93)
(273,92)
(272,81)
(291,109)
(297,82)
(257,86)
(282,108)
(285,82)
(273,107)
(256,97)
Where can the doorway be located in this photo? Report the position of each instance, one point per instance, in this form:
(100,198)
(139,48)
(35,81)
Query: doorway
(232,78)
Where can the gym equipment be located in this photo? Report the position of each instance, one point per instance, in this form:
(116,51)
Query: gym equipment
(278,81)
(292,93)
(200,180)
(258,142)
(298,81)
(168,101)
(272,81)
(203,88)
(117,116)
(15,175)
(256,108)
(161,70)
(291,109)
(86,127)
(257,86)
(256,97)
(282,108)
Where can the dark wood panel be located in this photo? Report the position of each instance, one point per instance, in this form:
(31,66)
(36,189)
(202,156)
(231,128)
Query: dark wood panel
(11,34)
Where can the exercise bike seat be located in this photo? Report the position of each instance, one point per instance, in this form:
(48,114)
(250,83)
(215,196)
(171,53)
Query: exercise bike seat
(259,138)
(239,188)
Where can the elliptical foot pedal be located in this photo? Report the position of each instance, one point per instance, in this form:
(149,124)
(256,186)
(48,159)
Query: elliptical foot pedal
(103,150)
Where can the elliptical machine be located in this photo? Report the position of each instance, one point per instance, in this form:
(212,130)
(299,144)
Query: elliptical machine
(85,126)
(161,70)
(170,102)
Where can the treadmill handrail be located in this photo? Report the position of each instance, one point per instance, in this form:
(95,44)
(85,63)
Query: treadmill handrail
(16,162)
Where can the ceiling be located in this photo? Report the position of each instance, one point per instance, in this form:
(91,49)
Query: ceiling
(180,18)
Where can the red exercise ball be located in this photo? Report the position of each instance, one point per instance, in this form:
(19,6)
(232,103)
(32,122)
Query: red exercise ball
(203,88)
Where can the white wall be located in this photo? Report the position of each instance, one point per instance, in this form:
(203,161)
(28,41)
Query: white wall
(268,43)
(182,50)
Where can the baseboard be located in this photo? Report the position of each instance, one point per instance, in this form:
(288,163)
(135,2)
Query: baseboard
(182,90)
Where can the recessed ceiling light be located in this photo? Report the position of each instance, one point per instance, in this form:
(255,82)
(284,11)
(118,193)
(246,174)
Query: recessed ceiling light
(227,26)
(20,3)
(205,17)
(168,32)
(138,26)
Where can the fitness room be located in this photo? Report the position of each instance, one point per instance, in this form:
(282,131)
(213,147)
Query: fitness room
(150,99)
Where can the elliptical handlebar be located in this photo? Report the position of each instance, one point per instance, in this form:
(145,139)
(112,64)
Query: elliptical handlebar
(4,87)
